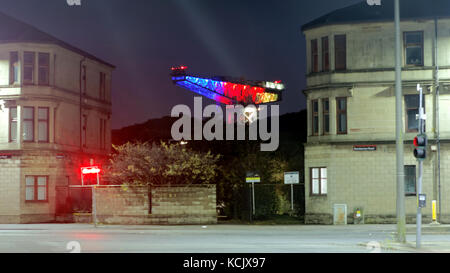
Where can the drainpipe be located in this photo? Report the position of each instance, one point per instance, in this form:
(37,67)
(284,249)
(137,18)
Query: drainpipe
(81,106)
(438,142)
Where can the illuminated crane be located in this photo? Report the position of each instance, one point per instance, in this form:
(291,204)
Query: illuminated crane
(227,90)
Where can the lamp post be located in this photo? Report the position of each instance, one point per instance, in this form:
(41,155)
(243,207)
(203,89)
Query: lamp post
(401,221)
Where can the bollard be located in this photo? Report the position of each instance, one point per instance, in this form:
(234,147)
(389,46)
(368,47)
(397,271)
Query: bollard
(433,210)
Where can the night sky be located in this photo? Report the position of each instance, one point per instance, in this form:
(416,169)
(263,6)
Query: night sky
(255,39)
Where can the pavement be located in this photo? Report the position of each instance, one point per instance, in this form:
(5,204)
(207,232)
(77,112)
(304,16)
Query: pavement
(432,244)
(435,239)
(220,238)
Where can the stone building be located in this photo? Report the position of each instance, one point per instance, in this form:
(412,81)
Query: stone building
(350,154)
(55,113)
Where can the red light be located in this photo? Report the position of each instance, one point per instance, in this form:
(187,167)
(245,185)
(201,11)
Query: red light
(89,170)
(277,81)
(182,67)
(415,142)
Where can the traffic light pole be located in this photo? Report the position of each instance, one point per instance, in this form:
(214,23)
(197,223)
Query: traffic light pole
(419,209)
(419,182)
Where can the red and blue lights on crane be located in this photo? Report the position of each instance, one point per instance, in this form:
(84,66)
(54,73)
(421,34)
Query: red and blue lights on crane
(228,91)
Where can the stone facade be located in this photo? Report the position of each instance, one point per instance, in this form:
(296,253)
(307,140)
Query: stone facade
(54,118)
(195,204)
(367,179)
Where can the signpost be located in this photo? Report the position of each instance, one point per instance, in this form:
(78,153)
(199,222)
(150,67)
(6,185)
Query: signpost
(292,178)
(90,171)
(253,178)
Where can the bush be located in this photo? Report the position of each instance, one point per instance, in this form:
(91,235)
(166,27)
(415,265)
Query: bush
(151,164)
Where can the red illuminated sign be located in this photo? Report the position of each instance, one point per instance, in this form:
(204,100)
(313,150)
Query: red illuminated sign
(90,170)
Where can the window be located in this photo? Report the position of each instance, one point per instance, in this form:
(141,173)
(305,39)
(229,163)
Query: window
(412,109)
(314,56)
(102,92)
(84,79)
(36,188)
(318,181)
(326,116)
(13,124)
(102,133)
(43,117)
(14,67)
(340,52)
(413,43)
(43,63)
(341,115)
(28,124)
(28,67)
(325,55)
(410,180)
(315,117)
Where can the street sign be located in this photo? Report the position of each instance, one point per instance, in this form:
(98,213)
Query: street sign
(364,147)
(252,177)
(5,156)
(255,179)
(291,178)
(422,200)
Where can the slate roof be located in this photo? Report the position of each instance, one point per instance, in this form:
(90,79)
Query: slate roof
(13,30)
(362,12)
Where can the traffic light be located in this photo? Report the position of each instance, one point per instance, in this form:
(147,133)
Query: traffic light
(420,142)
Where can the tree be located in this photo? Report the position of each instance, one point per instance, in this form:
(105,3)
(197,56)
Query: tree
(152,164)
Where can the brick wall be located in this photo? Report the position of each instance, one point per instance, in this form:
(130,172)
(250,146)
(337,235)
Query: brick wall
(166,205)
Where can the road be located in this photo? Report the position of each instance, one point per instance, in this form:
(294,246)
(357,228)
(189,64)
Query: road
(60,238)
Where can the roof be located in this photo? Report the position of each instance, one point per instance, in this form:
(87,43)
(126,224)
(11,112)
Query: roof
(15,31)
(362,12)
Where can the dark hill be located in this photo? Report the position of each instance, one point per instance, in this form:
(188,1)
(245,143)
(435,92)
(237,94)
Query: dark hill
(292,125)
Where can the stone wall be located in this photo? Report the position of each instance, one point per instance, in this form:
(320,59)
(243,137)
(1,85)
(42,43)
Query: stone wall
(122,204)
(184,205)
(194,204)
(10,195)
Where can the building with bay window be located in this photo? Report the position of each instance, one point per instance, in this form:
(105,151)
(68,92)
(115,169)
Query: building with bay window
(55,113)
(350,155)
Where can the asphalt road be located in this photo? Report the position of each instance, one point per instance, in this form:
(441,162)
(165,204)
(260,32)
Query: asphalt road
(85,238)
